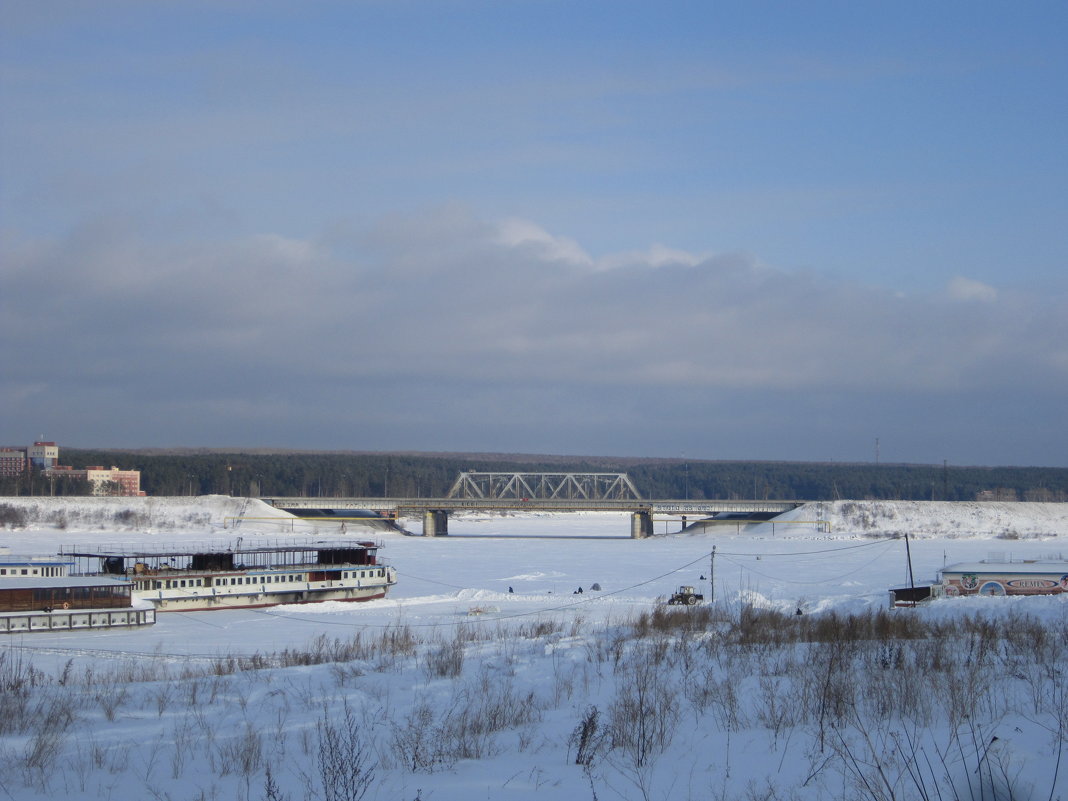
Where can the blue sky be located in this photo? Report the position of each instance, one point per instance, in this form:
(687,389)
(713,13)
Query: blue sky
(730,230)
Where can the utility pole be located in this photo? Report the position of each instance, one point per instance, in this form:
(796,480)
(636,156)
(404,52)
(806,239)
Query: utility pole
(712,577)
(908,554)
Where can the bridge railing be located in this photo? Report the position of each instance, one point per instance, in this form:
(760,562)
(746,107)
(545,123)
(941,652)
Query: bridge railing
(544,486)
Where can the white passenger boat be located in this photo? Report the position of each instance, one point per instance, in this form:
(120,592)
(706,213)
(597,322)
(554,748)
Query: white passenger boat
(246,575)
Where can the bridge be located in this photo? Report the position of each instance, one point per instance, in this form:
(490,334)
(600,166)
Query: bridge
(534,492)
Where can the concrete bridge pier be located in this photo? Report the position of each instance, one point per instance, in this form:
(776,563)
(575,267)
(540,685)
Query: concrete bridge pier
(435,523)
(641,525)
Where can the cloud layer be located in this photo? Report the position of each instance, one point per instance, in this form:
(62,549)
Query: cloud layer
(444,331)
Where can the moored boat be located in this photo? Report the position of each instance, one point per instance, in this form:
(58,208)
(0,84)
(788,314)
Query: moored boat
(181,579)
(36,594)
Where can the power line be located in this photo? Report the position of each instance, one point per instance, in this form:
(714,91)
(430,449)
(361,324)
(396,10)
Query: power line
(813,581)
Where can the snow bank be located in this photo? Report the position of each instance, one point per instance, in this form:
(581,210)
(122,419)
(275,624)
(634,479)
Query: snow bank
(201,514)
(209,513)
(927,519)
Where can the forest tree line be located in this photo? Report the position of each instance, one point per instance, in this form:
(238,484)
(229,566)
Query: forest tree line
(332,475)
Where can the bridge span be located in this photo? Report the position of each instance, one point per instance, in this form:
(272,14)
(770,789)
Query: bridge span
(435,511)
(533,492)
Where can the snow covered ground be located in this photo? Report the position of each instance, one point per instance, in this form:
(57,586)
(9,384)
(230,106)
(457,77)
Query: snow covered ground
(487,624)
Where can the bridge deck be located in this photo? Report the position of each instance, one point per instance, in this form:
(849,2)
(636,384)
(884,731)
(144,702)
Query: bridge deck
(404,506)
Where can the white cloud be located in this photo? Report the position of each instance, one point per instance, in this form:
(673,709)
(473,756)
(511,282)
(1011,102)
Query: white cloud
(517,233)
(966,289)
(656,255)
(442,314)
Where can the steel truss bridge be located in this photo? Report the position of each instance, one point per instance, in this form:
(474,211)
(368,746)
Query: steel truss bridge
(540,492)
(544,486)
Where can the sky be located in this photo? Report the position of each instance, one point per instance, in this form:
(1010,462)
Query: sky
(741,230)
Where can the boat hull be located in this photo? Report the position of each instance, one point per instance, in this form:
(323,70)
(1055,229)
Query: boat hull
(76,619)
(260,600)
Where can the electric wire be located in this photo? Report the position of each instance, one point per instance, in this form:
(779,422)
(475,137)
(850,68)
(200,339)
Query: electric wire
(811,581)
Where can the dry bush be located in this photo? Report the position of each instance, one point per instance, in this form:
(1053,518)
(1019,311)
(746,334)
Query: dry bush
(345,760)
(12,516)
(665,619)
(644,715)
(242,754)
(757,626)
(542,627)
(415,742)
(50,721)
(445,661)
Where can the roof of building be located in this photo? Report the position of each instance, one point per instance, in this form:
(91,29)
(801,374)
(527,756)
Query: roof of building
(189,549)
(1028,568)
(8,560)
(57,582)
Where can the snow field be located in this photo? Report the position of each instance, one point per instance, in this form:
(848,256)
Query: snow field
(460,689)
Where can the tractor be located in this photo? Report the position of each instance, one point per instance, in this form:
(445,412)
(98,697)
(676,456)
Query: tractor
(685,596)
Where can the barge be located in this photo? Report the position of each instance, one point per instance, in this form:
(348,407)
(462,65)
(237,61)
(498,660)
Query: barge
(37,594)
(183,579)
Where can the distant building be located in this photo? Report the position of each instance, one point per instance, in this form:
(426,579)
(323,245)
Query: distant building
(127,481)
(43,458)
(44,455)
(999,494)
(12,462)
(105,481)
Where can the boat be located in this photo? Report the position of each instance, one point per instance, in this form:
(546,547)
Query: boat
(995,577)
(246,575)
(37,594)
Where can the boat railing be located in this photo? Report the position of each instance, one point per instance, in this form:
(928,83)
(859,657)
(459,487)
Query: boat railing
(141,570)
(240,545)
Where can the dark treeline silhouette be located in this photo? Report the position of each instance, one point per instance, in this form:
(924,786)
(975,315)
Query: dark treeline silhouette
(33,483)
(331,475)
